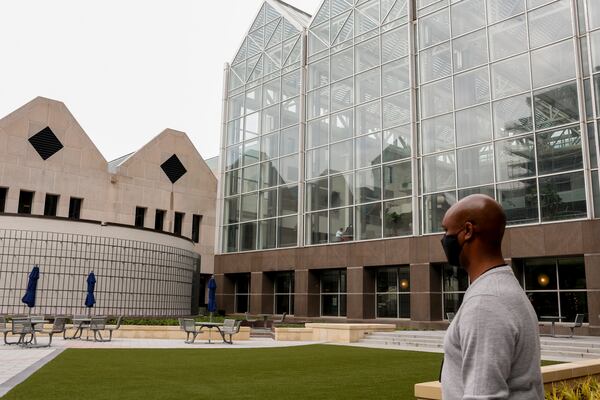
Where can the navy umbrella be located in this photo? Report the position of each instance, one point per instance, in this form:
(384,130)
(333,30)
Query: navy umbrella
(91,284)
(29,297)
(212,295)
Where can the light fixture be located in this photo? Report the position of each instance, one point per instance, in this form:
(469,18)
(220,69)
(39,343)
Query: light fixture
(404,284)
(543,280)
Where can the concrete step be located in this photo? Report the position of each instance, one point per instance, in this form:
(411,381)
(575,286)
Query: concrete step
(383,342)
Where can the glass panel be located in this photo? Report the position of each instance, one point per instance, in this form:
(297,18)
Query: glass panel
(368,185)
(486,190)
(368,150)
(573,303)
(231,214)
(513,116)
(594,13)
(547,68)
(394,44)
(499,10)
(233,156)
(250,179)
(248,236)
(288,200)
(317,162)
(437,133)
(236,106)
(396,110)
(288,168)
(556,105)
(290,112)
(366,55)
(368,118)
(544,303)
(341,225)
(438,172)
(269,174)
(330,305)
(291,85)
(563,197)
(434,28)
(396,143)
(316,195)
(508,38)
(591,132)
(316,228)
(387,306)
(596,193)
(515,158)
(342,64)
(397,217)
(435,206)
(367,86)
(475,165)
(368,220)
(559,150)
(519,200)
(342,95)
(230,234)
(341,190)
(397,180)
(404,305)
(343,160)
(510,76)
(268,204)
(467,16)
(435,62)
(289,140)
(234,132)
(318,74)
(436,98)
(454,279)
(317,132)
(471,88)
(233,182)
(342,125)
(271,92)
(396,76)
(318,102)
(267,234)
(470,51)
(270,121)
(288,231)
(252,126)
(452,302)
(571,273)
(269,146)
(473,125)
(249,207)
(540,274)
(549,24)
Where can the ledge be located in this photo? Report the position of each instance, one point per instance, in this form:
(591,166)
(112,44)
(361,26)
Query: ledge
(330,332)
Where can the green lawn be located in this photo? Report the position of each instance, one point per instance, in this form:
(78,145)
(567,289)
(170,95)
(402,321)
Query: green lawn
(306,372)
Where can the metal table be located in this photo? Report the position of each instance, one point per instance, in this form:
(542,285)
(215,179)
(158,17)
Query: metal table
(553,319)
(210,326)
(33,322)
(80,324)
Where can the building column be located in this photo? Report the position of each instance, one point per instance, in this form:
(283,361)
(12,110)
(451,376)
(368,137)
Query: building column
(592,277)
(225,293)
(307,300)
(425,293)
(361,293)
(261,296)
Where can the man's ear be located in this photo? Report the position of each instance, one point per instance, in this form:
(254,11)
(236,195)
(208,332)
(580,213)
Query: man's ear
(469,228)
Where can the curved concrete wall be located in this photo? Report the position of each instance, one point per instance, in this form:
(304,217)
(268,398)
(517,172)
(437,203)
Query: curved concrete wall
(138,272)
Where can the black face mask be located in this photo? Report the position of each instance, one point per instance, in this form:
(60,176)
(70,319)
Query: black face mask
(452,249)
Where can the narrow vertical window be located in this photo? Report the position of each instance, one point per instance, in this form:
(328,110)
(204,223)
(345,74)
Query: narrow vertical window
(75,208)
(159,220)
(3,194)
(196,220)
(178,223)
(25,202)
(51,205)
(140,216)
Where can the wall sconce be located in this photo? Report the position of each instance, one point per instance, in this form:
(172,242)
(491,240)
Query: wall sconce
(404,284)
(543,280)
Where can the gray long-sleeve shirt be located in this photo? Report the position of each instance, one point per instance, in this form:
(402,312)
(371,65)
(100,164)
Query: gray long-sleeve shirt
(492,347)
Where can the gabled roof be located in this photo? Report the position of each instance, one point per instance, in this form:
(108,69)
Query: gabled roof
(114,164)
(302,17)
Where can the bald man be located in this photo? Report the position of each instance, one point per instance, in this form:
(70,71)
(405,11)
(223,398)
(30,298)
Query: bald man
(492,347)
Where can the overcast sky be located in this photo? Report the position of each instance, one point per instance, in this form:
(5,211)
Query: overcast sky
(127,69)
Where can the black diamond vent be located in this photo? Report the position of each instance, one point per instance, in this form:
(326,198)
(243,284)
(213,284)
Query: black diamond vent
(173,168)
(45,143)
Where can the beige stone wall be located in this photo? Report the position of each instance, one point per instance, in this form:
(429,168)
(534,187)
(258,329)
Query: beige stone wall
(79,170)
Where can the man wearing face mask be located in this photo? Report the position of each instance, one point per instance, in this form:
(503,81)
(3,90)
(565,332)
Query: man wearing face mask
(492,347)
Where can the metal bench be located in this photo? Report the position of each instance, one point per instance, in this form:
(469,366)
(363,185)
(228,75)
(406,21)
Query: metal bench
(112,328)
(4,329)
(189,327)
(577,323)
(59,326)
(97,324)
(230,327)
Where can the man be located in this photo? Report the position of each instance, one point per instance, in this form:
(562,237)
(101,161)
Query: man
(492,347)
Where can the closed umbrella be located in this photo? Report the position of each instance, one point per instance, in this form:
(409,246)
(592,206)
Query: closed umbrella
(29,297)
(90,300)
(212,296)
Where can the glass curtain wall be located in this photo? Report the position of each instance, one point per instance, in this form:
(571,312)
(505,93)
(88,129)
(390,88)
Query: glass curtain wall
(589,30)
(242,292)
(358,136)
(262,137)
(499,108)
(333,293)
(284,292)
(393,292)
(455,283)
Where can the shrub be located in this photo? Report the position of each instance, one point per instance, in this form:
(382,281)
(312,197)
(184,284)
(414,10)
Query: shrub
(588,389)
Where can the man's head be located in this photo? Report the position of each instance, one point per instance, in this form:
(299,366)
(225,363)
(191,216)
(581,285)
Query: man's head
(474,228)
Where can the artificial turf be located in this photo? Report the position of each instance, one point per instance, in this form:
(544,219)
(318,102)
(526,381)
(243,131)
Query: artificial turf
(305,372)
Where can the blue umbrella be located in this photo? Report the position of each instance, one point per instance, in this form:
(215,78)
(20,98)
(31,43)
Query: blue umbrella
(29,297)
(212,295)
(91,284)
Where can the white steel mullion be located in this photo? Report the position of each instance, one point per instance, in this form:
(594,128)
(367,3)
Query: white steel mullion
(412,67)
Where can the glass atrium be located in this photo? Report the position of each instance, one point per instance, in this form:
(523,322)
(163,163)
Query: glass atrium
(370,119)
